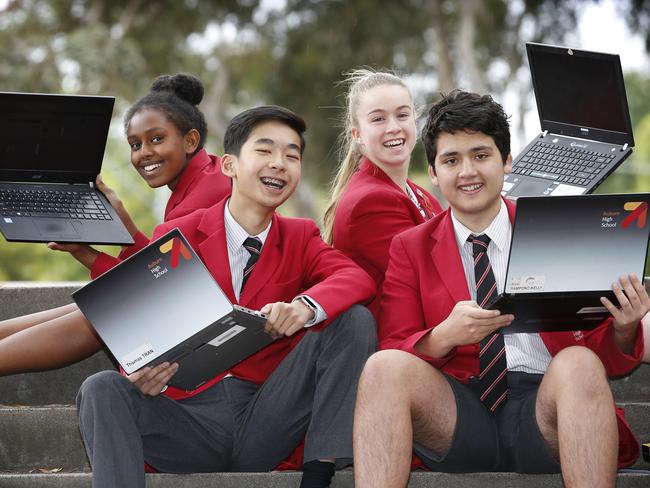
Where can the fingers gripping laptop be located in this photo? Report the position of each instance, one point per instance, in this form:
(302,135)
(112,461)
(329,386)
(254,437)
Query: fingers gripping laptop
(585,121)
(162,304)
(565,254)
(51,152)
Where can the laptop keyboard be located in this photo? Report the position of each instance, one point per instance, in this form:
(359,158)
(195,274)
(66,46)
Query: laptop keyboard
(72,204)
(562,163)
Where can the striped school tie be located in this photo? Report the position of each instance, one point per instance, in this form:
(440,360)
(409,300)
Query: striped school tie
(254,247)
(493,381)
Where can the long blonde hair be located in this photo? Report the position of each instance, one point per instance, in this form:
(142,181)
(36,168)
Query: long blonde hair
(359,81)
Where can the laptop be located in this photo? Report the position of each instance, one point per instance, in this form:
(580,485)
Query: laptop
(162,304)
(586,128)
(51,151)
(565,254)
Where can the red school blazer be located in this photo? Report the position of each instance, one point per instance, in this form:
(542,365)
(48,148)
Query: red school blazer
(294,260)
(371,211)
(201,185)
(424,281)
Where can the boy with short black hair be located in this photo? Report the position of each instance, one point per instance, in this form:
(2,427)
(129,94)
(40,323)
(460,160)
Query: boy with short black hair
(463,396)
(301,386)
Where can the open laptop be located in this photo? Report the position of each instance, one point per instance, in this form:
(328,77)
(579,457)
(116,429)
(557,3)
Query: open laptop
(565,254)
(586,128)
(51,151)
(162,304)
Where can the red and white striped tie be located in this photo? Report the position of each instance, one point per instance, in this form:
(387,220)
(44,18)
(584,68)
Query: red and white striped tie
(493,381)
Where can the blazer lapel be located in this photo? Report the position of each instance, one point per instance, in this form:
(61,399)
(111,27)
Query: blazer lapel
(267,264)
(446,259)
(214,250)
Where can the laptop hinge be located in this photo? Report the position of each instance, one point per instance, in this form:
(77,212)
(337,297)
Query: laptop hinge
(543,134)
(624,148)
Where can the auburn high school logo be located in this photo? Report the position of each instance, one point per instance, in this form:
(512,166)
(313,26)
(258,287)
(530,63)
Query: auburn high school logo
(178,249)
(638,212)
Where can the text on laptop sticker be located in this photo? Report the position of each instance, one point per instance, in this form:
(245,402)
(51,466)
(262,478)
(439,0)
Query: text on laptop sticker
(527,284)
(177,249)
(638,212)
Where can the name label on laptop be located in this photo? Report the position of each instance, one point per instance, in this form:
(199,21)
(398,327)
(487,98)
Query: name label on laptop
(138,355)
(527,284)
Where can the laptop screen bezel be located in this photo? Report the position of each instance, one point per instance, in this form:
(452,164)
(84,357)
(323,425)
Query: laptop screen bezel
(590,133)
(101,104)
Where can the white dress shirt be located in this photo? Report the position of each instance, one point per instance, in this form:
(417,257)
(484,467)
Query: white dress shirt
(524,352)
(238,257)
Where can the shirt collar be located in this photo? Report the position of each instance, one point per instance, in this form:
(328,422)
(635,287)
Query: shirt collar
(236,234)
(497,231)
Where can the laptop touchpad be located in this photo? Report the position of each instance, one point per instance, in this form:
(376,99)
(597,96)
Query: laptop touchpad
(530,188)
(56,229)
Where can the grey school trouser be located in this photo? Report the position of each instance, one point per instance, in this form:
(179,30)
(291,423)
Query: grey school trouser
(235,425)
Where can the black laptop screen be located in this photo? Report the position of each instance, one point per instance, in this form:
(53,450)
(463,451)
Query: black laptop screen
(52,137)
(579,89)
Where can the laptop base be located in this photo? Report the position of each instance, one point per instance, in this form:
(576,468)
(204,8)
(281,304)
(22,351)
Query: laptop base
(553,312)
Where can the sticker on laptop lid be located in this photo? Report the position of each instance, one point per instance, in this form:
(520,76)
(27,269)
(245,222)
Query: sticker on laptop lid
(226,336)
(588,310)
(561,190)
(527,284)
(138,357)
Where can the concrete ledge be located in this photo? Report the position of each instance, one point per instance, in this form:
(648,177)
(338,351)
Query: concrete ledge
(343,479)
(48,437)
(20,298)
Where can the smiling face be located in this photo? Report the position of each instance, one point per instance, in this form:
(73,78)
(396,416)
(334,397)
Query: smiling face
(469,171)
(266,171)
(384,126)
(159,152)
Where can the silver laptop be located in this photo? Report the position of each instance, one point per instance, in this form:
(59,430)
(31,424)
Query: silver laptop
(162,304)
(586,128)
(51,151)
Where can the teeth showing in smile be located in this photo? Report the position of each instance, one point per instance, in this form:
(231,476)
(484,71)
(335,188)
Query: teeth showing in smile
(151,167)
(273,182)
(473,187)
(394,143)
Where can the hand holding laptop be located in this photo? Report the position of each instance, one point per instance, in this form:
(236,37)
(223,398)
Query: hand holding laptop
(152,381)
(466,324)
(634,304)
(285,319)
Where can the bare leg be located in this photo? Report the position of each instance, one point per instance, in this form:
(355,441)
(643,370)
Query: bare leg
(53,344)
(575,414)
(646,338)
(399,397)
(11,326)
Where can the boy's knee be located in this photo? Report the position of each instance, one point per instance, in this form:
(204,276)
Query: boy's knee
(356,326)
(386,369)
(101,386)
(580,366)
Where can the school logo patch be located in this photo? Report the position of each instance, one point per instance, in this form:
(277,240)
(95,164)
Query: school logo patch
(638,213)
(178,249)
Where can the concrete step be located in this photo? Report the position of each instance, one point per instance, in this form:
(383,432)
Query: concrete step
(343,479)
(60,386)
(48,437)
(20,298)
